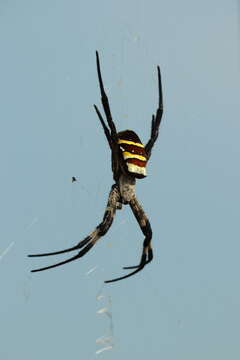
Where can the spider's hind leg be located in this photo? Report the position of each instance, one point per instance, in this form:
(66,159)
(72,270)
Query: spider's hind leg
(147,249)
(97,233)
(147,253)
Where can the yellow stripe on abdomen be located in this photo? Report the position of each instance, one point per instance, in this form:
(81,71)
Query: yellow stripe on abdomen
(128,155)
(122,141)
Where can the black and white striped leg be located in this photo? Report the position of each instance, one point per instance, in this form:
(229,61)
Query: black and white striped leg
(113,201)
(147,249)
(147,253)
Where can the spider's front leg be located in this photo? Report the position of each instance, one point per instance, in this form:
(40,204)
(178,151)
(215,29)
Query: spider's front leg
(113,202)
(147,253)
(156,120)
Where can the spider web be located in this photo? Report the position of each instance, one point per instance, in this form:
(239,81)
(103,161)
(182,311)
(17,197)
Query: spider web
(107,341)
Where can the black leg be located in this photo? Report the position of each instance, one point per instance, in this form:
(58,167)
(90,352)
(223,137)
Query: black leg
(105,128)
(147,254)
(147,231)
(156,120)
(105,102)
(113,200)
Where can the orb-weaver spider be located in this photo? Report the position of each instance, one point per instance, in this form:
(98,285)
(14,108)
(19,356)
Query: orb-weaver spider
(129,159)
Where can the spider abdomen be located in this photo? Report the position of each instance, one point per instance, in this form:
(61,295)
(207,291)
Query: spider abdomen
(133,152)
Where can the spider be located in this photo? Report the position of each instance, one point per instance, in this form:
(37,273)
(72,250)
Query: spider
(129,159)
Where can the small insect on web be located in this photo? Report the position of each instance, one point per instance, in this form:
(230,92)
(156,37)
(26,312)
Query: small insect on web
(129,160)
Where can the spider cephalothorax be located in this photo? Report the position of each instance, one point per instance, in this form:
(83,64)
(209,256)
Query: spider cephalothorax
(129,159)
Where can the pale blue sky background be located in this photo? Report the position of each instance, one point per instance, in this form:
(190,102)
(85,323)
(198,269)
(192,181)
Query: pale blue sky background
(183,306)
